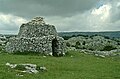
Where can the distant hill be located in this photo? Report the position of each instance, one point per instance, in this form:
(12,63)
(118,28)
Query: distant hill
(110,34)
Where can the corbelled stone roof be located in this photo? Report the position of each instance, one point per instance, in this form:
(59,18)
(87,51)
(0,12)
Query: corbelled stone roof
(36,28)
(37,21)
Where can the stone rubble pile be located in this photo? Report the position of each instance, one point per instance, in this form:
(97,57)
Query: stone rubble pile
(26,68)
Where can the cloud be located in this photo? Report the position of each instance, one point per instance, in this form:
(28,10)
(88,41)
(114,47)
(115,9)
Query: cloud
(10,22)
(103,11)
(31,8)
(102,18)
(115,10)
(66,15)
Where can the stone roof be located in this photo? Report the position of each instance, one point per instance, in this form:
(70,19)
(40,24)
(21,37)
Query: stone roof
(37,21)
(36,28)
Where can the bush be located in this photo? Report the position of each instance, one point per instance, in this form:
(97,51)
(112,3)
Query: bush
(77,45)
(68,44)
(0,49)
(91,49)
(72,45)
(108,48)
(83,43)
(118,43)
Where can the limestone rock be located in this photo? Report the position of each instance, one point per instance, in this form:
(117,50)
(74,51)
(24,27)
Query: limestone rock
(95,45)
(27,68)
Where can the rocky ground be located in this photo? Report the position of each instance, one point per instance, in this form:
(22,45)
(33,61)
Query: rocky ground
(97,45)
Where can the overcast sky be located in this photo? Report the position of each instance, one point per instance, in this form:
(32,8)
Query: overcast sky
(66,15)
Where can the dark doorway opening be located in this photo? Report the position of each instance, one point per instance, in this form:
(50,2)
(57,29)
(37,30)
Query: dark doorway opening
(55,47)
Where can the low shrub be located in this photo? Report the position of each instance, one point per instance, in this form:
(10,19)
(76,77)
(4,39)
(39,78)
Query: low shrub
(68,44)
(108,48)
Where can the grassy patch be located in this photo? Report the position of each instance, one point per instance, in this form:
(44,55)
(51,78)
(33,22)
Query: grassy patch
(75,65)
(27,53)
(20,67)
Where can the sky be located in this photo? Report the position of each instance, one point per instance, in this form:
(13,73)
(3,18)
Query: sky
(65,15)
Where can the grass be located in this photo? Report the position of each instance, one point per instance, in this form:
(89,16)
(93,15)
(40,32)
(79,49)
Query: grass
(73,66)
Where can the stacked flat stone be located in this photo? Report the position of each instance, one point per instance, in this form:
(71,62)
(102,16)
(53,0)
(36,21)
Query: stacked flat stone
(36,28)
(36,36)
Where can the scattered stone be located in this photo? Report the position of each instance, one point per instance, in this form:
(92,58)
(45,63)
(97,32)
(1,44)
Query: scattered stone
(43,68)
(96,55)
(20,75)
(11,65)
(27,68)
(71,56)
(30,68)
(102,56)
(44,56)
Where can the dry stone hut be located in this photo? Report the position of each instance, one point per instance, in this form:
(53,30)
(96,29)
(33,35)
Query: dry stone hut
(37,36)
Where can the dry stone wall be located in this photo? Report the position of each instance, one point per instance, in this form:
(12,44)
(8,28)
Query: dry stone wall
(37,36)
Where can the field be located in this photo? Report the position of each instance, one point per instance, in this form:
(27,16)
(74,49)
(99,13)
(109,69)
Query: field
(74,65)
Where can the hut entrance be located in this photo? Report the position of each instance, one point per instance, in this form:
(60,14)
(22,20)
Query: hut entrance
(55,47)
